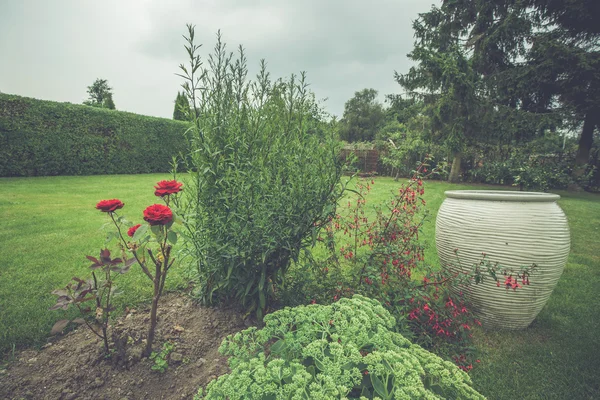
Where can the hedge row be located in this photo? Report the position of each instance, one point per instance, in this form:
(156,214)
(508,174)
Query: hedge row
(48,138)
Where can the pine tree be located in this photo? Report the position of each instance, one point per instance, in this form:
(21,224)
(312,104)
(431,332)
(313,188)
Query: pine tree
(182,107)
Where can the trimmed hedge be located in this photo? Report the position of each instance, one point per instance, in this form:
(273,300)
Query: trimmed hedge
(40,137)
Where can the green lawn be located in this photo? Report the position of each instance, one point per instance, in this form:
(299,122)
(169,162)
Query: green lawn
(50,224)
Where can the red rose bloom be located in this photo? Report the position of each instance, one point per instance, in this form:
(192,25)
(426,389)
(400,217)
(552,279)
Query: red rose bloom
(164,188)
(157,214)
(132,230)
(109,205)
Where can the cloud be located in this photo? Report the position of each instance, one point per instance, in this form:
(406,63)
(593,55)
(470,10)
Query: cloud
(54,50)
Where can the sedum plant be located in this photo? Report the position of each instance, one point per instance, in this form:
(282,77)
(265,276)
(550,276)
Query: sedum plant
(346,350)
(263,175)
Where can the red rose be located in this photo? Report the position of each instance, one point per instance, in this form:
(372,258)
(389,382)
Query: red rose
(132,230)
(164,188)
(109,205)
(157,214)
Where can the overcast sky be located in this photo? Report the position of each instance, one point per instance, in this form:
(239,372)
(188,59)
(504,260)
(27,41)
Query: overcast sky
(53,50)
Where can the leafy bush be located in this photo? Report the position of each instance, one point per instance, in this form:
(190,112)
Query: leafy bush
(542,164)
(541,173)
(404,148)
(533,172)
(264,174)
(39,138)
(344,350)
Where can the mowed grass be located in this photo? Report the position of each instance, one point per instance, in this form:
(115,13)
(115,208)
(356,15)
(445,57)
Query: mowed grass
(50,224)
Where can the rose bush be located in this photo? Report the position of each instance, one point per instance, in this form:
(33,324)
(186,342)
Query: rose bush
(148,247)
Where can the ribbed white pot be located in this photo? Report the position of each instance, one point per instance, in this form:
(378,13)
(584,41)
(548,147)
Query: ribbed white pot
(514,229)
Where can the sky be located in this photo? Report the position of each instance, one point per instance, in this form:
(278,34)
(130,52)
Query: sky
(54,50)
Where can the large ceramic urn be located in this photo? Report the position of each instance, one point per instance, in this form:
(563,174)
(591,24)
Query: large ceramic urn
(513,229)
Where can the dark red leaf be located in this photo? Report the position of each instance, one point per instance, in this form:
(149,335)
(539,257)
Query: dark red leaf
(105,256)
(93,259)
(84,299)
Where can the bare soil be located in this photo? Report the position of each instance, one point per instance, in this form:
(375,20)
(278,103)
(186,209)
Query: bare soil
(73,366)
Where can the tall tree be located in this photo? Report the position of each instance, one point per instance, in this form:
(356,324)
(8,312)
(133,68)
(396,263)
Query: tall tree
(363,117)
(447,84)
(541,55)
(182,107)
(100,95)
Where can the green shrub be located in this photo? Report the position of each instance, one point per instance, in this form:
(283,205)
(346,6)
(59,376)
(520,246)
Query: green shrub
(40,138)
(344,350)
(264,175)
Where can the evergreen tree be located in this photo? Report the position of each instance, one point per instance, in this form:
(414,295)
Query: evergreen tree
(540,56)
(182,107)
(446,83)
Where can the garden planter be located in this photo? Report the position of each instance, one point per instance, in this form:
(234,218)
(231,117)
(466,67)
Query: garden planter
(514,229)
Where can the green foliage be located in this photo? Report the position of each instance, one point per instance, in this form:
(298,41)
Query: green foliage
(404,147)
(182,107)
(540,56)
(108,102)
(261,181)
(363,117)
(541,173)
(161,360)
(100,95)
(39,138)
(541,164)
(344,350)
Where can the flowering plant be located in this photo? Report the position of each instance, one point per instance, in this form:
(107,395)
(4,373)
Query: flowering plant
(382,257)
(150,246)
(348,349)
